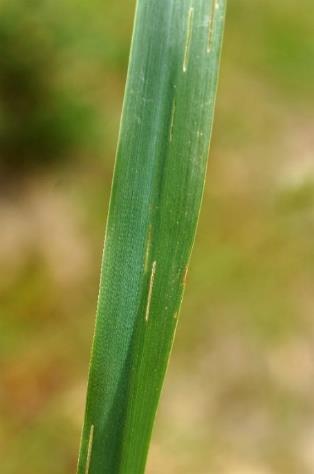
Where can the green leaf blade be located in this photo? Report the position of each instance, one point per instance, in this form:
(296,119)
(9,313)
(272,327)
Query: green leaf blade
(155,201)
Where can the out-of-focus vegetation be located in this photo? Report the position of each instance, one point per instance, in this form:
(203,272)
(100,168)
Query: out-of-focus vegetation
(239,393)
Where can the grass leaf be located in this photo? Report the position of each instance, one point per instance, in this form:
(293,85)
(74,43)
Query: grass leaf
(154,207)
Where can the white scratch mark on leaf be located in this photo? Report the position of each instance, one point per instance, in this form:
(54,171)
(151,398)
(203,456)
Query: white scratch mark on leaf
(150,290)
(89,449)
(188,39)
(185,274)
(214,8)
(173,112)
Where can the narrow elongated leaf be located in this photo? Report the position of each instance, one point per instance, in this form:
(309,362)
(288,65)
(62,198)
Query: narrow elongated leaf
(155,201)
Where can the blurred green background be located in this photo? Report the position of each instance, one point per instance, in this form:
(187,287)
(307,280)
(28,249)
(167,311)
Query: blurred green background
(239,396)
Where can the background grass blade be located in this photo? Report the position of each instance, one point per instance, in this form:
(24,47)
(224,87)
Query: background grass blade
(156,195)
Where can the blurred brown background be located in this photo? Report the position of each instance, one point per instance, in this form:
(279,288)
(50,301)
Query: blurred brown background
(239,393)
